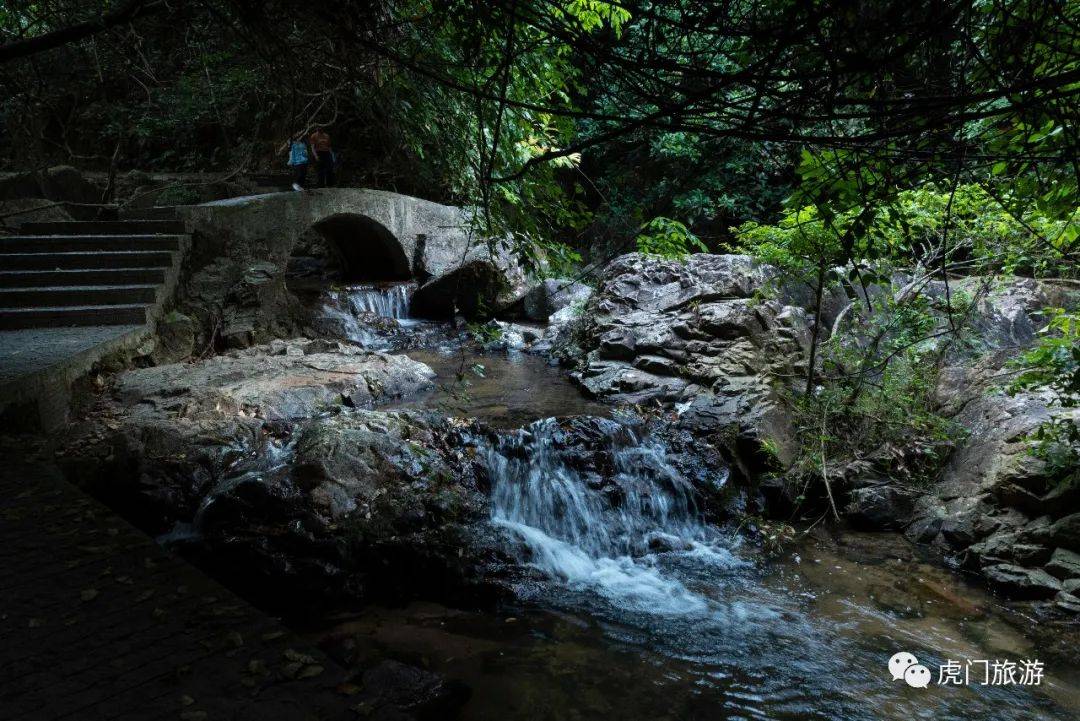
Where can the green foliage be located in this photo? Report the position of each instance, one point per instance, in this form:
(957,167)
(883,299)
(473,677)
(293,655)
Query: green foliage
(178,195)
(968,227)
(594,14)
(667,238)
(796,244)
(874,398)
(577,308)
(876,422)
(549,258)
(1054,362)
(708,184)
(980,231)
(485,333)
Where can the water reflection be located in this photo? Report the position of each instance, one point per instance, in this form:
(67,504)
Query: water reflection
(798,639)
(505,390)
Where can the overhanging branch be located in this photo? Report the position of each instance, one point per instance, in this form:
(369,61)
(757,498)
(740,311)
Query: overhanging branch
(40,43)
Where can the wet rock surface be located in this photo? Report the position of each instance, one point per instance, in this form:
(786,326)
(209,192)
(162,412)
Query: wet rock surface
(715,336)
(702,333)
(393,691)
(270,465)
(613,455)
(553,295)
(279,381)
(484,279)
(1021,582)
(267,463)
(274,468)
(999,507)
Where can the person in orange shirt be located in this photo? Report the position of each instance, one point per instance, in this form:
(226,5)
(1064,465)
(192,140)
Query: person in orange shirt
(324,156)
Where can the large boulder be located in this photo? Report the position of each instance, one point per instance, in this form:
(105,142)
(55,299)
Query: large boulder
(484,280)
(282,381)
(553,295)
(268,464)
(1020,582)
(1064,564)
(703,335)
(377,505)
(998,505)
(167,433)
(879,507)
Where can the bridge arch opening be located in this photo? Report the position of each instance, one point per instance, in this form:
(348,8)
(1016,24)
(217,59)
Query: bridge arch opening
(347,248)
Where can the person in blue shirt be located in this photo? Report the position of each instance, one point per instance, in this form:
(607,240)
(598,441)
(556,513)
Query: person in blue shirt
(299,158)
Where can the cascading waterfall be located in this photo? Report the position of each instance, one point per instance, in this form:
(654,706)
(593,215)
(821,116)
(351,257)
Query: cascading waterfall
(385,301)
(348,307)
(273,458)
(577,533)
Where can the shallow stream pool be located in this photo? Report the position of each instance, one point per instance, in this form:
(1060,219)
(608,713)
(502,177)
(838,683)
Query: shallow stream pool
(645,611)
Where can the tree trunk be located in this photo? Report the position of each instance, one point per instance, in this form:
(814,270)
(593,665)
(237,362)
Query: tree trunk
(818,293)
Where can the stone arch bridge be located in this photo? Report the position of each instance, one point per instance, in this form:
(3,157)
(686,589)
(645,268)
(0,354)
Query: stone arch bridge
(378,235)
(382,235)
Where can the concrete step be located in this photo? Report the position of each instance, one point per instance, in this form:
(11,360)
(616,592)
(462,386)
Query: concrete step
(107,227)
(62,296)
(80,276)
(157,212)
(53,317)
(86,260)
(71,243)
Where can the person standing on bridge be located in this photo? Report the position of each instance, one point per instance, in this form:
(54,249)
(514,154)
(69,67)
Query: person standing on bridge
(324,156)
(299,157)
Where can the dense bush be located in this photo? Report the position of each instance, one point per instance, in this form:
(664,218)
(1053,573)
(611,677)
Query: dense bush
(869,402)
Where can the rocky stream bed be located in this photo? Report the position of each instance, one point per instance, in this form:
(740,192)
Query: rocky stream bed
(477,531)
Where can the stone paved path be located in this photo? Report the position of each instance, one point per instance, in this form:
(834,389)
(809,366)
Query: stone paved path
(34,350)
(98,622)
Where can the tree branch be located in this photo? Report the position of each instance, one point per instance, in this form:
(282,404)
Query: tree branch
(40,43)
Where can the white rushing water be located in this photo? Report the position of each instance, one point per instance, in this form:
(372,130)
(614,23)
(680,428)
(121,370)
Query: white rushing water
(274,457)
(349,308)
(385,301)
(576,533)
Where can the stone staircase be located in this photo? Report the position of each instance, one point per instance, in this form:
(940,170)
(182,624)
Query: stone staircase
(71,293)
(87,273)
